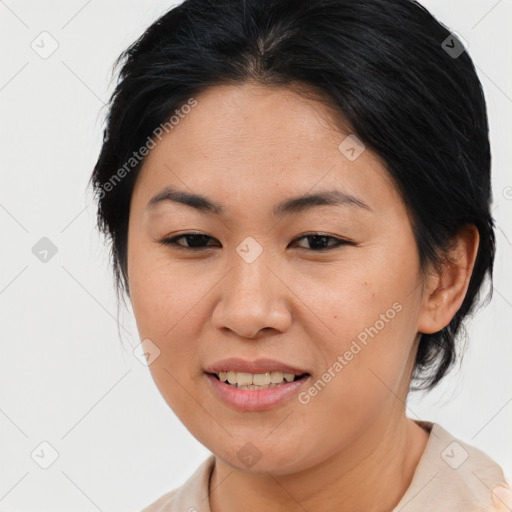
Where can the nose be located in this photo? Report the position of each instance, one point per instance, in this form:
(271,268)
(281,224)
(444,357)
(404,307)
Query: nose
(253,298)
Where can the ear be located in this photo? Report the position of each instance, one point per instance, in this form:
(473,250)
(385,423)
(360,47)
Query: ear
(446,287)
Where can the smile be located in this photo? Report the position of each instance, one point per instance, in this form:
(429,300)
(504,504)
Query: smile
(254,397)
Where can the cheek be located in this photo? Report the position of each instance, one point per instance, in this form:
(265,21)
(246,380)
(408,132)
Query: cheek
(170,304)
(160,294)
(166,306)
(371,312)
(373,295)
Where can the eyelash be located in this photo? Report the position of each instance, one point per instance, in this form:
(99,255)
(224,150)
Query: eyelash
(173,241)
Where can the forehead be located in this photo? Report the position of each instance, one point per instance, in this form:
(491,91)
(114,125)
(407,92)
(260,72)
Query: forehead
(241,116)
(271,140)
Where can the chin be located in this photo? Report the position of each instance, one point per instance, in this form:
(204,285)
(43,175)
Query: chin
(246,457)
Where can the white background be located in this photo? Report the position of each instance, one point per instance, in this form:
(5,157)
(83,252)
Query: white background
(65,376)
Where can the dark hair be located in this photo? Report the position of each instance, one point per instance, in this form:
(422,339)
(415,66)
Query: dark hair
(400,80)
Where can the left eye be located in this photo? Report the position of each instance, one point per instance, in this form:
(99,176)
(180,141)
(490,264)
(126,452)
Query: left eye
(199,241)
(318,240)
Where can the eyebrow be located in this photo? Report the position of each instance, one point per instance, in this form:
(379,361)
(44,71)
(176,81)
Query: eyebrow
(290,206)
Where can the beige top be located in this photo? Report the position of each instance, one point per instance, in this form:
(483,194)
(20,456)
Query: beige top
(451,476)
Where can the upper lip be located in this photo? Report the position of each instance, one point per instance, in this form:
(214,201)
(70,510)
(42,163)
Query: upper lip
(237,364)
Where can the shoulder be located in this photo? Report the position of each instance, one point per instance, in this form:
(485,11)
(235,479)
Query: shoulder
(164,503)
(192,496)
(452,475)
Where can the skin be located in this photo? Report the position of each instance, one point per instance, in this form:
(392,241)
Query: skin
(352,447)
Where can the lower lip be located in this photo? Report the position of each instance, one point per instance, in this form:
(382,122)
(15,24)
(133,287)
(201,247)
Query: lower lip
(256,399)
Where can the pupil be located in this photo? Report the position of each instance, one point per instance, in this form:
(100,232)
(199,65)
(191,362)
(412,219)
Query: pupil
(317,241)
(199,240)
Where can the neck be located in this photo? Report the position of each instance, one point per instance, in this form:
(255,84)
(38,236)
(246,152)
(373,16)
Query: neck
(372,474)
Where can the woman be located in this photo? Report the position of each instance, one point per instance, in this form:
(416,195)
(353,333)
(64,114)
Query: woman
(297,195)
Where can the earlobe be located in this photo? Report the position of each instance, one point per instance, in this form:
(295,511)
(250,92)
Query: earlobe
(447,286)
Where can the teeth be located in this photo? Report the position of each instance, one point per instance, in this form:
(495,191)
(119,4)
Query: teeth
(255,380)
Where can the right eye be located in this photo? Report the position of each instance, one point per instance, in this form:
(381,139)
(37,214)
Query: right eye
(195,241)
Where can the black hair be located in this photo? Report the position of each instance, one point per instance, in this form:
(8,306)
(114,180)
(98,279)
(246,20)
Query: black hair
(402,82)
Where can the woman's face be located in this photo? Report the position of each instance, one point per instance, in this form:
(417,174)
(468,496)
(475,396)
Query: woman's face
(346,314)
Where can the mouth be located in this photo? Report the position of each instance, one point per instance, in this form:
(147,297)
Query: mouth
(244,395)
(255,385)
(256,381)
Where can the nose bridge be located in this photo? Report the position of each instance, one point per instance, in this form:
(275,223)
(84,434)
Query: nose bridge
(250,298)
(250,274)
